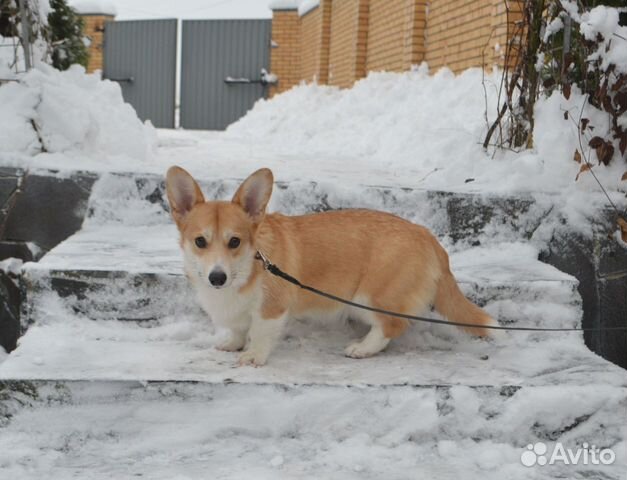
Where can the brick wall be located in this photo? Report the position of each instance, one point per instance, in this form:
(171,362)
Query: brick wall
(396,30)
(285,50)
(314,43)
(458,33)
(94,30)
(339,41)
(348,41)
(504,18)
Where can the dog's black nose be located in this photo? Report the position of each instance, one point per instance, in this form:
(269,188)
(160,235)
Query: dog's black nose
(217,278)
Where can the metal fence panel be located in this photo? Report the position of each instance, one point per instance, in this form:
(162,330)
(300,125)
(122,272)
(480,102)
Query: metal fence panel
(212,51)
(141,56)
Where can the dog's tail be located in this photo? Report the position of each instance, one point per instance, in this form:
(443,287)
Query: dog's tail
(452,304)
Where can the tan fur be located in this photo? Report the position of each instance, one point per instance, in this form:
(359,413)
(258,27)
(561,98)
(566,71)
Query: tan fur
(360,255)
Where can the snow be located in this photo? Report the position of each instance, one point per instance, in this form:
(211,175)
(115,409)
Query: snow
(392,129)
(177,431)
(519,288)
(552,28)
(613,48)
(436,402)
(284,4)
(77,115)
(94,7)
(303,6)
(41,9)
(307,6)
(11,265)
(133,240)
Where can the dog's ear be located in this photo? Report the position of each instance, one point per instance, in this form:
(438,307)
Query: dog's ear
(183,193)
(253,195)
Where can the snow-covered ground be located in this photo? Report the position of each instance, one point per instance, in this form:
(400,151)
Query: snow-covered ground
(401,130)
(118,399)
(436,404)
(178,431)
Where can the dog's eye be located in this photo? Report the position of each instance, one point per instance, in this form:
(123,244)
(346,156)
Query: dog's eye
(234,242)
(200,242)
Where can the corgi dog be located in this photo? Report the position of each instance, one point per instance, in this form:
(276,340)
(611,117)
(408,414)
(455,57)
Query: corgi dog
(369,257)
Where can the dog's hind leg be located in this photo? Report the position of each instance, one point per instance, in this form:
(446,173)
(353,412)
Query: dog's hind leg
(371,344)
(383,328)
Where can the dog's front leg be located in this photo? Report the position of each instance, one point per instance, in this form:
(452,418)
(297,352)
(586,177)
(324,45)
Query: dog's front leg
(238,333)
(263,335)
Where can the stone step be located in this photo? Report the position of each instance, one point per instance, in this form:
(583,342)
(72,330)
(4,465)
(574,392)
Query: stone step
(78,290)
(234,430)
(135,273)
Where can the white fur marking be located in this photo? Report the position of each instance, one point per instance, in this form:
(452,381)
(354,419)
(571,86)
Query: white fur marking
(263,336)
(370,345)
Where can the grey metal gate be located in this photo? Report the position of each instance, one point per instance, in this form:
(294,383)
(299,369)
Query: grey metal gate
(221,62)
(141,56)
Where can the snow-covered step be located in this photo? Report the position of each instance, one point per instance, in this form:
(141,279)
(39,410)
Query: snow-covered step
(180,430)
(66,346)
(435,401)
(78,338)
(135,273)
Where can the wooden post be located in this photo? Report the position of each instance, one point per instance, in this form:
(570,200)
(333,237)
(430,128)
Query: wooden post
(25,34)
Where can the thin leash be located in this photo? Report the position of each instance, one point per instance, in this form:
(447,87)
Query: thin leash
(276,271)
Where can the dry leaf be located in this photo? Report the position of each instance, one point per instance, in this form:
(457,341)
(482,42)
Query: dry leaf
(595,142)
(584,124)
(584,168)
(620,99)
(566,90)
(624,177)
(577,156)
(622,224)
(619,83)
(605,152)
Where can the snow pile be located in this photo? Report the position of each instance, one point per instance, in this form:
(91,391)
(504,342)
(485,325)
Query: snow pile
(94,7)
(284,4)
(182,432)
(600,24)
(11,265)
(70,113)
(604,21)
(40,10)
(427,129)
(307,6)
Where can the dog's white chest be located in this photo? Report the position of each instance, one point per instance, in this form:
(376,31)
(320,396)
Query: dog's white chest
(227,306)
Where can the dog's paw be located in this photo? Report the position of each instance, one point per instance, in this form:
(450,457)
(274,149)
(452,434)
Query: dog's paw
(250,357)
(231,345)
(359,350)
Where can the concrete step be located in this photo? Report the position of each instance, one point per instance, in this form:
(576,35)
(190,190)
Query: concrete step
(79,290)
(135,273)
(162,430)
(152,397)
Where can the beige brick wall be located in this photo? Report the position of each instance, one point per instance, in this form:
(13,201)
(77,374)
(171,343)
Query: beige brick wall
(285,51)
(314,43)
(340,40)
(395,34)
(348,41)
(505,18)
(458,33)
(94,30)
